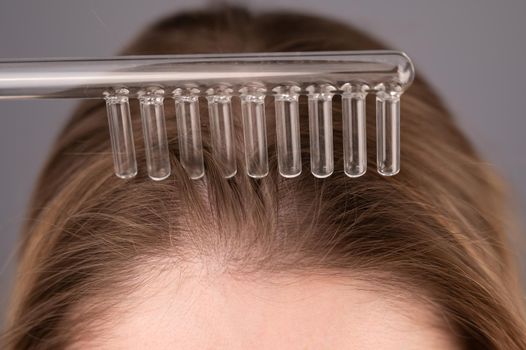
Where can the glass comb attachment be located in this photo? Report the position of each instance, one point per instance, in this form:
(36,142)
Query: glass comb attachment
(223,80)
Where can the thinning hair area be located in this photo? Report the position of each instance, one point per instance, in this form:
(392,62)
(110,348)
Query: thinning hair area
(436,233)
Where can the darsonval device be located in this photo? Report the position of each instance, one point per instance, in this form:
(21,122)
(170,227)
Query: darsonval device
(221,79)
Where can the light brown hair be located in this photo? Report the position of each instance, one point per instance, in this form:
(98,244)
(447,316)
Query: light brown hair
(438,228)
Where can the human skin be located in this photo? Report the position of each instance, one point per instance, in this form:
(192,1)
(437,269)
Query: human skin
(204,309)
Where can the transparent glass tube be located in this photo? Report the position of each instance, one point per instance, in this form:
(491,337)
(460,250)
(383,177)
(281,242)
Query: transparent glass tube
(288,130)
(388,132)
(255,131)
(222,130)
(121,134)
(189,132)
(354,130)
(320,130)
(91,77)
(154,130)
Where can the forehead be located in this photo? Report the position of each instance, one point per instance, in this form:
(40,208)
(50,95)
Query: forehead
(217,311)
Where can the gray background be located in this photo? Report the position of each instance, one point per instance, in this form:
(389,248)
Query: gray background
(472,51)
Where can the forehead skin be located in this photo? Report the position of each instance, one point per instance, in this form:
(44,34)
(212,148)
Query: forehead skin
(196,310)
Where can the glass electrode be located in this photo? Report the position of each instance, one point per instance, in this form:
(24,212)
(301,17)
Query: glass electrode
(223,81)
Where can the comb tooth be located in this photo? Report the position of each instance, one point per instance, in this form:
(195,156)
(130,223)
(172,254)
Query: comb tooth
(388,131)
(121,134)
(154,130)
(320,130)
(288,130)
(254,131)
(189,132)
(222,130)
(354,129)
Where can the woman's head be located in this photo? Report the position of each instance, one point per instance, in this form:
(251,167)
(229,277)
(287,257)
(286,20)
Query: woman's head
(420,260)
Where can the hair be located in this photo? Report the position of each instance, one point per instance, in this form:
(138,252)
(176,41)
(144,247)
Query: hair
(437,229)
